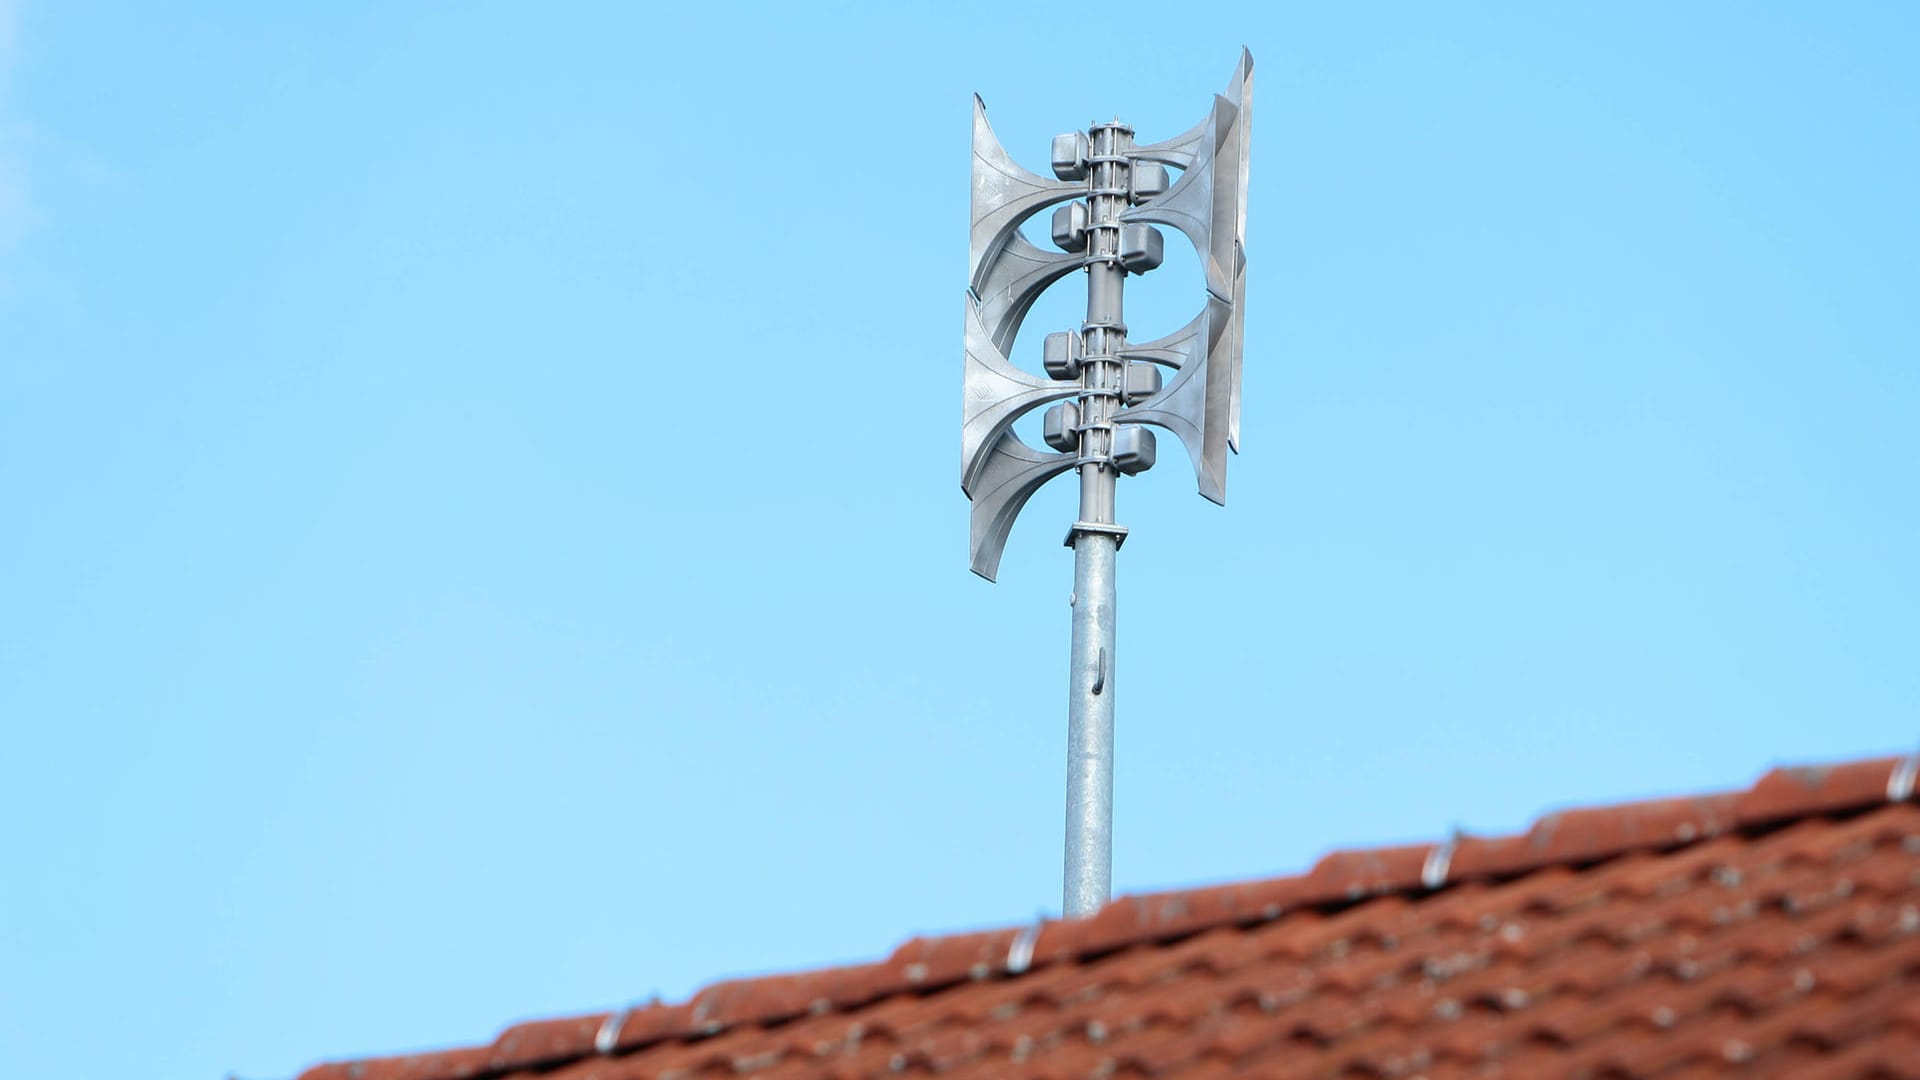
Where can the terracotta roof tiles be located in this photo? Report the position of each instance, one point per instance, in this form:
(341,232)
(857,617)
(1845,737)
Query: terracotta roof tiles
(1769,932)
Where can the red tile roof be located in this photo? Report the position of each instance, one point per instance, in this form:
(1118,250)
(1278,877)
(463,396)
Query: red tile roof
(1769,932)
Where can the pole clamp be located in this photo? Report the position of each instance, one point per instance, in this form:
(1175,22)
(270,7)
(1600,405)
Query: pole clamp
(1118,532)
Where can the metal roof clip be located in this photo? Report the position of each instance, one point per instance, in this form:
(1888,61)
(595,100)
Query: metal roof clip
(1020,953)
(608,1037)
(1900,784)
(1434,873)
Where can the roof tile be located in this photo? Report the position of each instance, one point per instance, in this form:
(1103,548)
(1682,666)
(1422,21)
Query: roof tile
(647,1025)
(930,962)
(1774,931)
(781,997)
(541,1041)
(1895,1056)
(1573,837)
(1808,790)
(1353,875)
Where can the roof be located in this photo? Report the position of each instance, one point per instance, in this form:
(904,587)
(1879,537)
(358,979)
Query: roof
(1770,932)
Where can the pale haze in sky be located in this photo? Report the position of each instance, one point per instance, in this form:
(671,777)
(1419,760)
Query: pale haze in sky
(482,531)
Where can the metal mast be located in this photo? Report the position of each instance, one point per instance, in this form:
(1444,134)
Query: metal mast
(1095,537)
(1113,192)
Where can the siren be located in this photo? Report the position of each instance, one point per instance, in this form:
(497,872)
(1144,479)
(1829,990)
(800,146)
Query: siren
(1015,278)
(1004,195)
(1211,192)
(1204,202)
(1010,472)
(1209,204)
(1199,400)
(1006,273)
(996,394)
(1117,390)
(1195,404)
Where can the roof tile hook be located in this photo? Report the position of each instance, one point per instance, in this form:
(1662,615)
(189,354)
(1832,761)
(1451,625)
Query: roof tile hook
(1900,783)
(1433,874)
(1020,953)
(607,1039)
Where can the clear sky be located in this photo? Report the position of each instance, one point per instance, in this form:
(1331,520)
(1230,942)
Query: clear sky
(481,525)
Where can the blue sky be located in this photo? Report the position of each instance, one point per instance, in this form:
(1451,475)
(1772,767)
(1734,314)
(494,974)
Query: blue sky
(483,540)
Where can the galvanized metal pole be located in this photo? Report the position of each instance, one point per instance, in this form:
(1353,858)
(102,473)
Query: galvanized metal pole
(1116,387)
(1096,539)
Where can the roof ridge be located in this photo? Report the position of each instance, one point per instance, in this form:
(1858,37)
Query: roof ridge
(1566,838)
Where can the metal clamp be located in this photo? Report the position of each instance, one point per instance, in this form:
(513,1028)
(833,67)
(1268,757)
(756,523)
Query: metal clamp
(1118,532)
(607,1039)
(1900,782)
(1433,873)
(1020,953)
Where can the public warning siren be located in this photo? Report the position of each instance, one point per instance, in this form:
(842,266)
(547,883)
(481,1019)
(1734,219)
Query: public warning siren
(1108,195)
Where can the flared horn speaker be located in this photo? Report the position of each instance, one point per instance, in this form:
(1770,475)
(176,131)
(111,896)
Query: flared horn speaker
(1196,404)
(1016,276)
(995,394)
(1004,195)
(1011,471)
(1205,202)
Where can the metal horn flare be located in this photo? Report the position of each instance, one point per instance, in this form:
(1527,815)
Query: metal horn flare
(1203,203)
(1011,473)
(1195,404)
(995,395)
(1004,195)
(1015,278)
